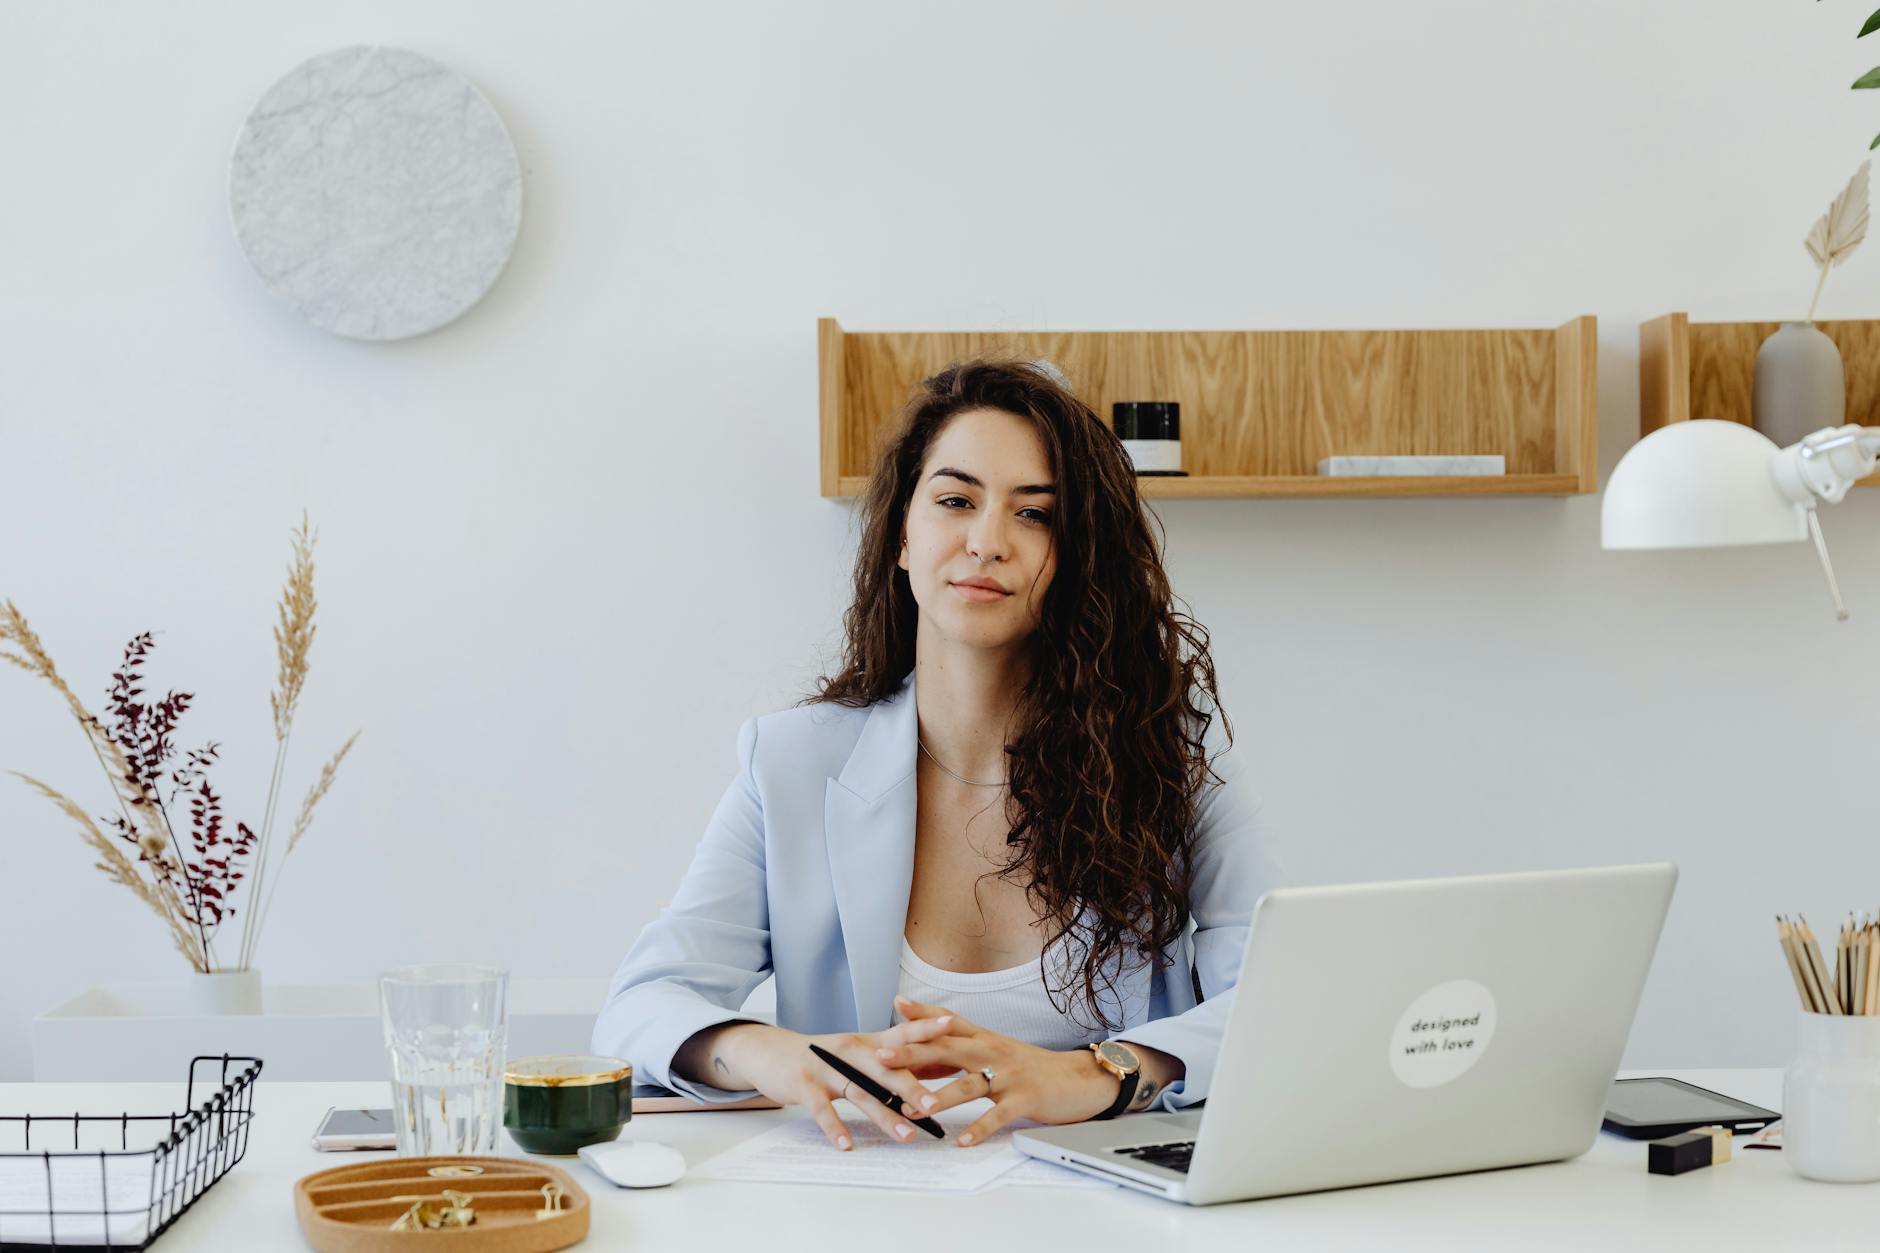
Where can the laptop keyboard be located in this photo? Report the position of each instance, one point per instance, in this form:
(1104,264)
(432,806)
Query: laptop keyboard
(1174,1156)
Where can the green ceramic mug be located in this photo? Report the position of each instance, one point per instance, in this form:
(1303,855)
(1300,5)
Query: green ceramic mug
(554,1105)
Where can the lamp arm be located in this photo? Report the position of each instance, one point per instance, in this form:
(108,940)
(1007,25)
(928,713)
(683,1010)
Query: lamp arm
(1825,464)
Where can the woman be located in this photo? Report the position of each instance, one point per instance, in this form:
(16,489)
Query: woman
(977,851)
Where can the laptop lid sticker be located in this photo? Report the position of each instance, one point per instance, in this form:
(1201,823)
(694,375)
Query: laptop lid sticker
(1443,1033)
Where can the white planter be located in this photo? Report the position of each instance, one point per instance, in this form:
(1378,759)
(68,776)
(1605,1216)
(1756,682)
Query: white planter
(1831,1100)
(225,992)
(148,1032)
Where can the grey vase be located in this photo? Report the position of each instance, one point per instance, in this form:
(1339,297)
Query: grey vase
(1800,386)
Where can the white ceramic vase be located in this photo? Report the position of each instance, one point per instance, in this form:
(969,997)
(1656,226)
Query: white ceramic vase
(226,992)
(1831,1100)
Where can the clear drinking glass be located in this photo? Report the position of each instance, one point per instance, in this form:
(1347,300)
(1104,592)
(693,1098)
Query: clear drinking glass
(446,1028)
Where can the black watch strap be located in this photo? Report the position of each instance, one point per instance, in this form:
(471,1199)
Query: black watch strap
(1123,1096)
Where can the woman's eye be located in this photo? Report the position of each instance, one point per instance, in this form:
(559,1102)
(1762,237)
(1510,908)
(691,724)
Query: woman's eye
(1030,514)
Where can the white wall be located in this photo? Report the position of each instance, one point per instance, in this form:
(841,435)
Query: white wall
(568,543)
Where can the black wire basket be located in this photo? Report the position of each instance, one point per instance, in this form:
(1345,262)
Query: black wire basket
(86,1181)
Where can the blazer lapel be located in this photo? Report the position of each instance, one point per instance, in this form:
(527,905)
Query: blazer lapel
(868,817)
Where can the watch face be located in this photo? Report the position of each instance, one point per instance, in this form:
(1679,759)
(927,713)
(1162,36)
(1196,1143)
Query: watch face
(1118,1056)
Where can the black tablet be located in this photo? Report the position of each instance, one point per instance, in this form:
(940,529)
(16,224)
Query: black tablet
(1648,1109)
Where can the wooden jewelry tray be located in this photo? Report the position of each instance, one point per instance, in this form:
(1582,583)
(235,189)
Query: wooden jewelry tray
(351,1209)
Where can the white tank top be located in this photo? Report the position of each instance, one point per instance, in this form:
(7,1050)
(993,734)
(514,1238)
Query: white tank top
(1012,1002)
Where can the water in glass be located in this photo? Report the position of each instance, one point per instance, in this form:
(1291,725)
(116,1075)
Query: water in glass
(446,1028)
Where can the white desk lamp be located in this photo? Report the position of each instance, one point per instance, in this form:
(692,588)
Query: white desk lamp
(1710,484)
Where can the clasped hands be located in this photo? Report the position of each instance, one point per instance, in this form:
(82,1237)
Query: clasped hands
(1027,1081)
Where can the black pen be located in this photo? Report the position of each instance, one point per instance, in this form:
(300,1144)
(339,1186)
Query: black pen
(875,1090)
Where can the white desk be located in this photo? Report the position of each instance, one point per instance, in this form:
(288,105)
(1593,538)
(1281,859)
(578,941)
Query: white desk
(1605,1199)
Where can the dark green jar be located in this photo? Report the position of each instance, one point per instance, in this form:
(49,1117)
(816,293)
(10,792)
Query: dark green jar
(554,1105)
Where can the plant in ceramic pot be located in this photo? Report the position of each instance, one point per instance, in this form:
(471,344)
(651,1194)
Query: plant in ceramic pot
(1800,384)
(167,839)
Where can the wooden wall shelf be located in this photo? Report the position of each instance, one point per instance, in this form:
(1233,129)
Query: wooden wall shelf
(1260,408)
(1692,369)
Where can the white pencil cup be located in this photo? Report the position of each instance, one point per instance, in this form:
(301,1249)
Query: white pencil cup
(1831,1100)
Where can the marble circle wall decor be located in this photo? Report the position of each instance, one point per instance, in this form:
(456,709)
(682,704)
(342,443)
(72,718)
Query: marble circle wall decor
(376,191)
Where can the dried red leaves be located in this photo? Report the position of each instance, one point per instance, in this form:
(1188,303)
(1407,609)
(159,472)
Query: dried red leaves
(204,876)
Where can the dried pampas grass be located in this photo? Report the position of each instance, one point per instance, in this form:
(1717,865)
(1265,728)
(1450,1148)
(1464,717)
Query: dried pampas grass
(314,793)
(293,643)
(121,869)
(14,630)
(139,812)
(293,637)
(188,894)
(318,790)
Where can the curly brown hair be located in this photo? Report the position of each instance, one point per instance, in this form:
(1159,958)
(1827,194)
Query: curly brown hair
(1109,762)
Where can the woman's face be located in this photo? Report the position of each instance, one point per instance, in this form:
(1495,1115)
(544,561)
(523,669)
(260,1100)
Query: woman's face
(977,544)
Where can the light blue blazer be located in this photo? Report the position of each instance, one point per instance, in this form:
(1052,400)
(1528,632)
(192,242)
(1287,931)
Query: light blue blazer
(805,870)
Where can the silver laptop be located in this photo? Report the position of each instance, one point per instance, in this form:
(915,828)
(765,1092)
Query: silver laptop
(1386,1031)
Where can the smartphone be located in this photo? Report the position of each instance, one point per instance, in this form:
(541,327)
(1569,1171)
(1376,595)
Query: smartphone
(344,1129)
(650,1098)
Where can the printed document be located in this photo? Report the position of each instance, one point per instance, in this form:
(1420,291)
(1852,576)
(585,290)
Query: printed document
(82,1187)
(798,1152)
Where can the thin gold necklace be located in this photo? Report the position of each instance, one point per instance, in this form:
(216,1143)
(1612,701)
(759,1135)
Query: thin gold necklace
(943,767)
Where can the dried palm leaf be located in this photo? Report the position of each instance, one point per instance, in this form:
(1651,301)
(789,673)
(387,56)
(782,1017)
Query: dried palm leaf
(1839,231)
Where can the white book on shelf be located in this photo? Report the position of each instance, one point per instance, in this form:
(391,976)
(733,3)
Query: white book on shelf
(1359,467)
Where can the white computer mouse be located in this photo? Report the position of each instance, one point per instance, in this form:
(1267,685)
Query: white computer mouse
(635,1163)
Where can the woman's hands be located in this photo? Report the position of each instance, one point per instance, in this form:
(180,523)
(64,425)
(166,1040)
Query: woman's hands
(1028,1082)
(778,1063)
